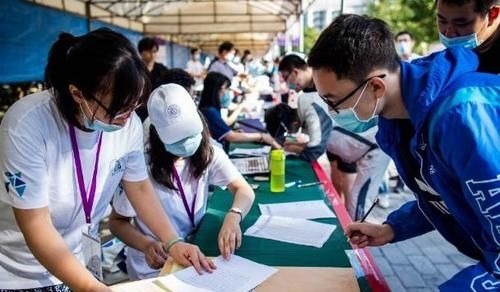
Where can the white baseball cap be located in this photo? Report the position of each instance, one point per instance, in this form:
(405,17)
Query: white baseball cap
(173,113)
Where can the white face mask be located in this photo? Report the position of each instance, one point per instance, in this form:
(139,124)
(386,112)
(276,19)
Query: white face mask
(403,48)
(230,56)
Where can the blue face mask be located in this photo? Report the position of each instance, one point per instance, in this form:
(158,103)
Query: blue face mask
(226,99)
(291,86)
(467,41)
(99,126)
(349,120)
(185,147)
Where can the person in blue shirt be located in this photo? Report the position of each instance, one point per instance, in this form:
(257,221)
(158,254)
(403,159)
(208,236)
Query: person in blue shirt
(213,98)
(439,121)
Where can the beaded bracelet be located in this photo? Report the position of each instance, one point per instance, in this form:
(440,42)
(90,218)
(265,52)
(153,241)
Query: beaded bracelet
(168,245)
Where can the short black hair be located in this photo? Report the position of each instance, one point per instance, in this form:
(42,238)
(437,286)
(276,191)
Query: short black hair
(211,87)
(147,44)
(194,50)
(226,47)
(290,62)
(178,76)
(481,6)
(352,46)
(404,32)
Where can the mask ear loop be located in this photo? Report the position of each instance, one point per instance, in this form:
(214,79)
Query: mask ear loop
(360,96)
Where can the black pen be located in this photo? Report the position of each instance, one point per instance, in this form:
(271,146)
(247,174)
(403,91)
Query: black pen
(369,210)
(364,217)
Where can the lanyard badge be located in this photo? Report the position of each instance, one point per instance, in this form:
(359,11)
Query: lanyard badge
(91,244)
(189,211)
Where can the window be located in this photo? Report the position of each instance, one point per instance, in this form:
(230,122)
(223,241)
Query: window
(319,19)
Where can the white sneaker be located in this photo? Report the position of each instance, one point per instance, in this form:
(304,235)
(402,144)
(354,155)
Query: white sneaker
(384,202)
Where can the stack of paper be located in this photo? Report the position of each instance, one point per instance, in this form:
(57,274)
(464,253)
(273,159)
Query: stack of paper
(236,275)
(298,231)
(262,151)
(303,209)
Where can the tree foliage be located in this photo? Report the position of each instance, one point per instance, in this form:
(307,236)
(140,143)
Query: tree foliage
(311,34)
(415,16)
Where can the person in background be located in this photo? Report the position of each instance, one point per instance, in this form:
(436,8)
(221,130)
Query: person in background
(212,99)
(472,24)
(63,153)
(182,163)
(148,49)
(195,68)
(404,46)
(221,63)
(438,120)
(313,114)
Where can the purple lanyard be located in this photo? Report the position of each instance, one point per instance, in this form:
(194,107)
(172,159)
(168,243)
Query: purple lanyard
(87,202)
(190,212)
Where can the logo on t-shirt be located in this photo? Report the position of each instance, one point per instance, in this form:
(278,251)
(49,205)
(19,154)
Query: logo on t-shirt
(16,182)
(117,166)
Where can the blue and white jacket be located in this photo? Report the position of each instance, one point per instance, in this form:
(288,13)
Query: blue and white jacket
(448,153)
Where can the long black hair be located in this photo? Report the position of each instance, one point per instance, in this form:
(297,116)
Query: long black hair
(100,62)
(162,161)
(212,85)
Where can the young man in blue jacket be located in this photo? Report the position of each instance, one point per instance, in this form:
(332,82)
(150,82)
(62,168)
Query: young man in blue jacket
(439,120)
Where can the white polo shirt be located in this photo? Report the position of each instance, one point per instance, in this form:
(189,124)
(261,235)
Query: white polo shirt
(220,172)
(38,170)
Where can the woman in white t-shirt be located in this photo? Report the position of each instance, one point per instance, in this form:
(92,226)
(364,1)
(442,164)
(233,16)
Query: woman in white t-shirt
(183,163)
(63,153)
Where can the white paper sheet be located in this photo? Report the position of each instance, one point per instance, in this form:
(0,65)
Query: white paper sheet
(236,275)
(297,231)
(139,286)
(303,209)
(262,151)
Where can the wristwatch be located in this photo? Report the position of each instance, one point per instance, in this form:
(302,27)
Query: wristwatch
(237,211)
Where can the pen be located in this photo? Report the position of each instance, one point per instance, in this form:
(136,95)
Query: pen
(310,184)
(364,217)
(369,210)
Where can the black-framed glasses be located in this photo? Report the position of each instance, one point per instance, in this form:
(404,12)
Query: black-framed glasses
(334,105)
(119,114)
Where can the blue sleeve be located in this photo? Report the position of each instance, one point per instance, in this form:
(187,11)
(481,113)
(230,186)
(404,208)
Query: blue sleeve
(408,221)
(217,126)
(468,144)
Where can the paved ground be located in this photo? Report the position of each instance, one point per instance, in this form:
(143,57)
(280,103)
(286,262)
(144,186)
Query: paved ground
(418,264)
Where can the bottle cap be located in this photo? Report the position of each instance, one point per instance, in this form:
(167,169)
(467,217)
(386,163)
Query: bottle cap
(278,154)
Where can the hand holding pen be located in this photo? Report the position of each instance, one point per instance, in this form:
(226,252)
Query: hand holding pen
(364,234)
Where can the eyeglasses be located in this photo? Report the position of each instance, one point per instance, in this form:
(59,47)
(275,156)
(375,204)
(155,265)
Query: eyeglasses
(334,105)
(120,114)
(285,77)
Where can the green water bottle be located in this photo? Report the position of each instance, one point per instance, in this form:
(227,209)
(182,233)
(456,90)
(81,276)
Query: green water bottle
(277,166)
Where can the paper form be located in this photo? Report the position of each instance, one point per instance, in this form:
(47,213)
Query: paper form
(303,209)
(236,275)
(139,286)
(291,230)
(262,151)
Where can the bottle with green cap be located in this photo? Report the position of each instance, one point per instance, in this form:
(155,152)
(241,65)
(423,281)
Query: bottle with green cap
(277,167)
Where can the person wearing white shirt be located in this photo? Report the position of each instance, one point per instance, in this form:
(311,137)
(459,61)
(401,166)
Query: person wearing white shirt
(63,153)
(182,163)
(195,68)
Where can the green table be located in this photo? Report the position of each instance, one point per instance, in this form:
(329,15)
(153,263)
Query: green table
(276,253)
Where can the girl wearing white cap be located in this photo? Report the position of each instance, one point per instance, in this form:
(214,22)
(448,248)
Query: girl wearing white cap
(63,153)
(183,163)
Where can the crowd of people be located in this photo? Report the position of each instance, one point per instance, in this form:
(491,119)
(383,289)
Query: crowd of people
(117,127)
